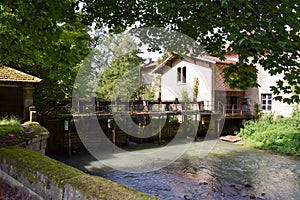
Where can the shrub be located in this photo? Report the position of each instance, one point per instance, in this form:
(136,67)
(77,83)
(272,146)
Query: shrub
(280,134)
(173,120)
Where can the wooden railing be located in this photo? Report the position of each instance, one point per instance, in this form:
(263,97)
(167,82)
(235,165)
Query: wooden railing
(108,106)
(233,109)
(154,106)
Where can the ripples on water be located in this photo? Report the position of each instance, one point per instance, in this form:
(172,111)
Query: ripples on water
(227,172)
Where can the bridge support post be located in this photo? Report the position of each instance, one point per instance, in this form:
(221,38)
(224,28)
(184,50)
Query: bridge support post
(196,126)
(159,132)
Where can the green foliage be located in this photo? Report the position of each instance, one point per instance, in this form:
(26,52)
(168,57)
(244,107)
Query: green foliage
(196,88)
(120,78)
(173,120)
(163,58)
(280,134)
(257,111)
(149,91)
(46,39)
(116,76)
(184,96)
(49,38)
(255,29)
(10,125)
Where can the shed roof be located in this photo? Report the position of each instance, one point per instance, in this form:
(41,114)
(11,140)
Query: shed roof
(9,74)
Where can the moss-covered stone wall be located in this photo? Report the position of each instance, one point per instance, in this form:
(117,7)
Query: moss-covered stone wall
(50,179)
(38,139)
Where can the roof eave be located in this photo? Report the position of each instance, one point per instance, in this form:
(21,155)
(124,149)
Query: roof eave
(161,65)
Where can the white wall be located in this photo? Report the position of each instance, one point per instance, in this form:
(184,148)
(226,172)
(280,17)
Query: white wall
(265,80)
(170,89)
(253,97)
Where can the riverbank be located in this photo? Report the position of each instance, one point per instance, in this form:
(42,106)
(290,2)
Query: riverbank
(228,171)
(41,177)
(281,134)
(12,132)
(28,174)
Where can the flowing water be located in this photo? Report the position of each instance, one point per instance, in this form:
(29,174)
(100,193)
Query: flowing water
(229,171)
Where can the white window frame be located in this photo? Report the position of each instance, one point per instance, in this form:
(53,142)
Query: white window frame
(266,101)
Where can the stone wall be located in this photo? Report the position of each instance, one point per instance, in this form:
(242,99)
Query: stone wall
(44,178)
(38,140)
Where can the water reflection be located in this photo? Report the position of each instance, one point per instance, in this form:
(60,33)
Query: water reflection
(227,172)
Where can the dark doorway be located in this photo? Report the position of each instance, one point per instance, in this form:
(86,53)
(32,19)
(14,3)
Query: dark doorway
(232,104)
(11,101)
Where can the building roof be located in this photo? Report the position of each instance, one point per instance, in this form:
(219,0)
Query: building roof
(9,74)
(167,61)
(229,60)
(150,65)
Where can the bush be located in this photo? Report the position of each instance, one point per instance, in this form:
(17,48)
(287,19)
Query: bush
(10,125)
(280,134)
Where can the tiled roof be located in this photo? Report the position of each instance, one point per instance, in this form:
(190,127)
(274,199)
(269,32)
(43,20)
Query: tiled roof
(229,60)
(217,60)
(12,75)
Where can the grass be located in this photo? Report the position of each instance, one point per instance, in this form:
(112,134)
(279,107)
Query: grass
(10,125)
(280,134)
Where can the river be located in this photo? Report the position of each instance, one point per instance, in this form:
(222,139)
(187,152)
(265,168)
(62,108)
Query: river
(229,171)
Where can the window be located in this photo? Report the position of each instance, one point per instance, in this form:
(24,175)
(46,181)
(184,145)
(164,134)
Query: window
(181,75)
(266,101)
(232,104)
(178,75)
(233,100)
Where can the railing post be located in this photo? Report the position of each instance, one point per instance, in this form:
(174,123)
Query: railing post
(98,105)
(78,106)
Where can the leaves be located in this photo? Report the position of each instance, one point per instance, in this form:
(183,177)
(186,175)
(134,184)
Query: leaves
(255,29)
(46,39)
(49,38)
(119,77)
(281,134)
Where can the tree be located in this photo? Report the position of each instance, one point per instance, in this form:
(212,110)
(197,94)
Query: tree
(266,31)
(46,39)
(120,79)
(119,74)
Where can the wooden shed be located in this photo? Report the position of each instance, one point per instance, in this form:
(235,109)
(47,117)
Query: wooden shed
(16,92)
